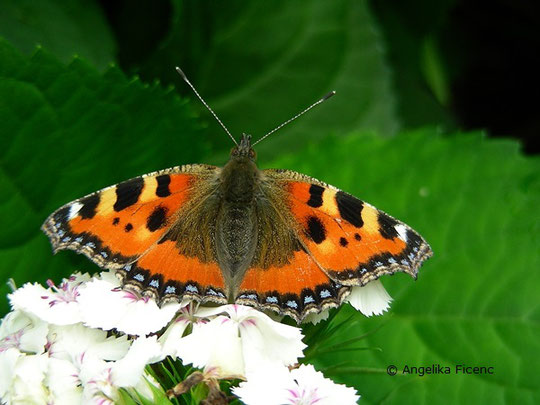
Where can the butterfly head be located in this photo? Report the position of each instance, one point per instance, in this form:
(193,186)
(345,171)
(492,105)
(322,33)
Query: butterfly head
(244,149)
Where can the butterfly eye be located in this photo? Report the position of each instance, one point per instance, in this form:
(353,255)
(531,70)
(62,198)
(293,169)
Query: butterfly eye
(252,154)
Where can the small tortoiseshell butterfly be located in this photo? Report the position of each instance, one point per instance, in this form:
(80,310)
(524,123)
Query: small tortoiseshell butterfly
(272,239)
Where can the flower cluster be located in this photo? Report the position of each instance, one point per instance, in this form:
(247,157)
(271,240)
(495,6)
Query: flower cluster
(86,339)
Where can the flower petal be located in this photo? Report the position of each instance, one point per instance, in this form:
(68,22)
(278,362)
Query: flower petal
(23,331)
(323,390)
(171,337)
(128,371)
(371,299)
(27,383)
(76,343)
(62,379)
(45,304)
(269,386)
(8,360)
(265,341)
(203,348)
(316,318)
(105,306)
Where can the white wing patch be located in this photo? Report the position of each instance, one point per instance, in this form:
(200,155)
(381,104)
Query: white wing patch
(402,231)
(74,210)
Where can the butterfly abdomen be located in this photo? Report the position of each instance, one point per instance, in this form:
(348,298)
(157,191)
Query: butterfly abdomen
(236,225)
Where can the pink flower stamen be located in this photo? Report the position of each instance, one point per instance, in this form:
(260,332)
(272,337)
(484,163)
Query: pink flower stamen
(68,291)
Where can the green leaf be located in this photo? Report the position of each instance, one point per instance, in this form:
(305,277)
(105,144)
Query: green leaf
(65,28)
(125,398)
(476,302)
(434,71)
(67,131)
(259,63)
(411,31)
(158,396)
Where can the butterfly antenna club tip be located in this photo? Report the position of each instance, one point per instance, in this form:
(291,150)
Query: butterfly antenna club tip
(316,103)
(328,95)
(183,75)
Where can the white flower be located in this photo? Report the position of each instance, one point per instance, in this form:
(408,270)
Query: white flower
(91,366)
(24,332)
(62,379)
(242,340)
(8,360)
(371,299)
(102,379)
(22,370)
(170,338)
(76,343)
(128,371)
(301,386)
(57,305)
(25,382)
(103,304)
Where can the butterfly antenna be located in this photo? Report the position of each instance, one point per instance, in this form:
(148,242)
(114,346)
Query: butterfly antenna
(326,97)
(181,73)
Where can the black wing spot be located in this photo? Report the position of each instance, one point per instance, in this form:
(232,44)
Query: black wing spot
(357,236)
(316,230)
(128,193)
(163,182)
(116,221)
(315,196)
(89,205)
(350,208)
(387,226)
(62,214)
(343,242)
(157,219)
(128,227)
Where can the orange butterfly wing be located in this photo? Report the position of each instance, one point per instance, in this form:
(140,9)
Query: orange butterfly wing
(121,227)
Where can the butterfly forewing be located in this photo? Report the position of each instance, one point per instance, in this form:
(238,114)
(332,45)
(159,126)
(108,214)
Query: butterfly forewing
(352,241)
(117,225)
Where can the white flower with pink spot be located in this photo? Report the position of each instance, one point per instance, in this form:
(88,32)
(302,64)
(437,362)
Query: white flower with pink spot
(300,386)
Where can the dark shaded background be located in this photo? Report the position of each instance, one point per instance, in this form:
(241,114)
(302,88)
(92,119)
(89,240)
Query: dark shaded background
(489,53)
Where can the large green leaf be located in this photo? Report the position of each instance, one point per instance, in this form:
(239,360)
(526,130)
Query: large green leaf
(65,28)
(258,63)
(67,131)
(476,301)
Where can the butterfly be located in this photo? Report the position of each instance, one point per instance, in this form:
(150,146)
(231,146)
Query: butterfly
(272,239)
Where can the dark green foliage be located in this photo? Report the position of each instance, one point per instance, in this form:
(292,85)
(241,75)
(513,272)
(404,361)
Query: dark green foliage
(67,131)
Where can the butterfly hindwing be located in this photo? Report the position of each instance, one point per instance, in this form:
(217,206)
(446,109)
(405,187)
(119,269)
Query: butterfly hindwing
(169,274)
(351,240)
(296,289)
